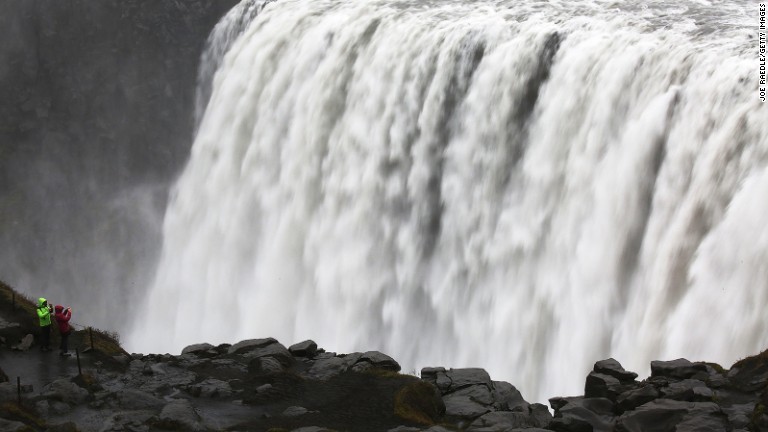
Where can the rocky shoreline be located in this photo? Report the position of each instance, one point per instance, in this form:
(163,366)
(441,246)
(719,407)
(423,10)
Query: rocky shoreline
(262,385)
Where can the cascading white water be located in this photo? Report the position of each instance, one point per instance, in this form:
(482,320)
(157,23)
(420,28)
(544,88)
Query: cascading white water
(523,186)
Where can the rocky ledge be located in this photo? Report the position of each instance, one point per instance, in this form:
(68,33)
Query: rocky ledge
(262,385)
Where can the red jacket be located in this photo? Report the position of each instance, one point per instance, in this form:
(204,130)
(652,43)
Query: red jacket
(62,317)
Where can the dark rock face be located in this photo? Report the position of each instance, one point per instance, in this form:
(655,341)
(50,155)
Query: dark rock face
(96,117)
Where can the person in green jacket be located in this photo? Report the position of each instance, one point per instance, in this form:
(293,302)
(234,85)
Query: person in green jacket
(44,313)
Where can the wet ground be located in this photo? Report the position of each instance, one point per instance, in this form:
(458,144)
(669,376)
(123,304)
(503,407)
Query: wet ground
(41,368)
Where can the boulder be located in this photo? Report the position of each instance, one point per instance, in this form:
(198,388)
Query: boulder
(133,399)
(467,377)
(180,415)
(274,350)
(615,369)
(464,403)
(539,414)
(197,348)
(65,391)
(264,366)
(507,398)
(379,360)
(663,415)
(600,385)
(679,369)
(308,348)
(502,421)
(687,390)
(327,368)
(250,345)
(584,414)
(632,399)
(210,388)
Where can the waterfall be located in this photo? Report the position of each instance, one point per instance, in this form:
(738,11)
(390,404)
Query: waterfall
(523,186)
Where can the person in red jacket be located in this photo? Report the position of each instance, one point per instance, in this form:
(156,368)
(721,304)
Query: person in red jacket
(62,317)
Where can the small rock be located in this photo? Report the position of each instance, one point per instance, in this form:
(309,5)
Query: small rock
(25,343)
(263,388)
(308,348)
(294,411)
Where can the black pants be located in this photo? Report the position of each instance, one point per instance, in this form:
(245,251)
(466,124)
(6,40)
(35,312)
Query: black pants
(64,340)
(45,337)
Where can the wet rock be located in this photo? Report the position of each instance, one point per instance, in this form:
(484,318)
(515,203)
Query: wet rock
(380,361)
(739,414)
(133,421)
(263,388)
(250,345)
(211,388)
(405,429)
(679,369)
(615,369)
(264,365)
(603,386)
(327,368)
(294,411)
(197,348)
(466,377)
(577,414)
(65,391)
(133,399)
(632,399)
(507,398)
(468,403)
(502,421)
(308,348)
(664,415)
(179,414)
(25,343)
(539,414)
(274,350)
(687,390)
